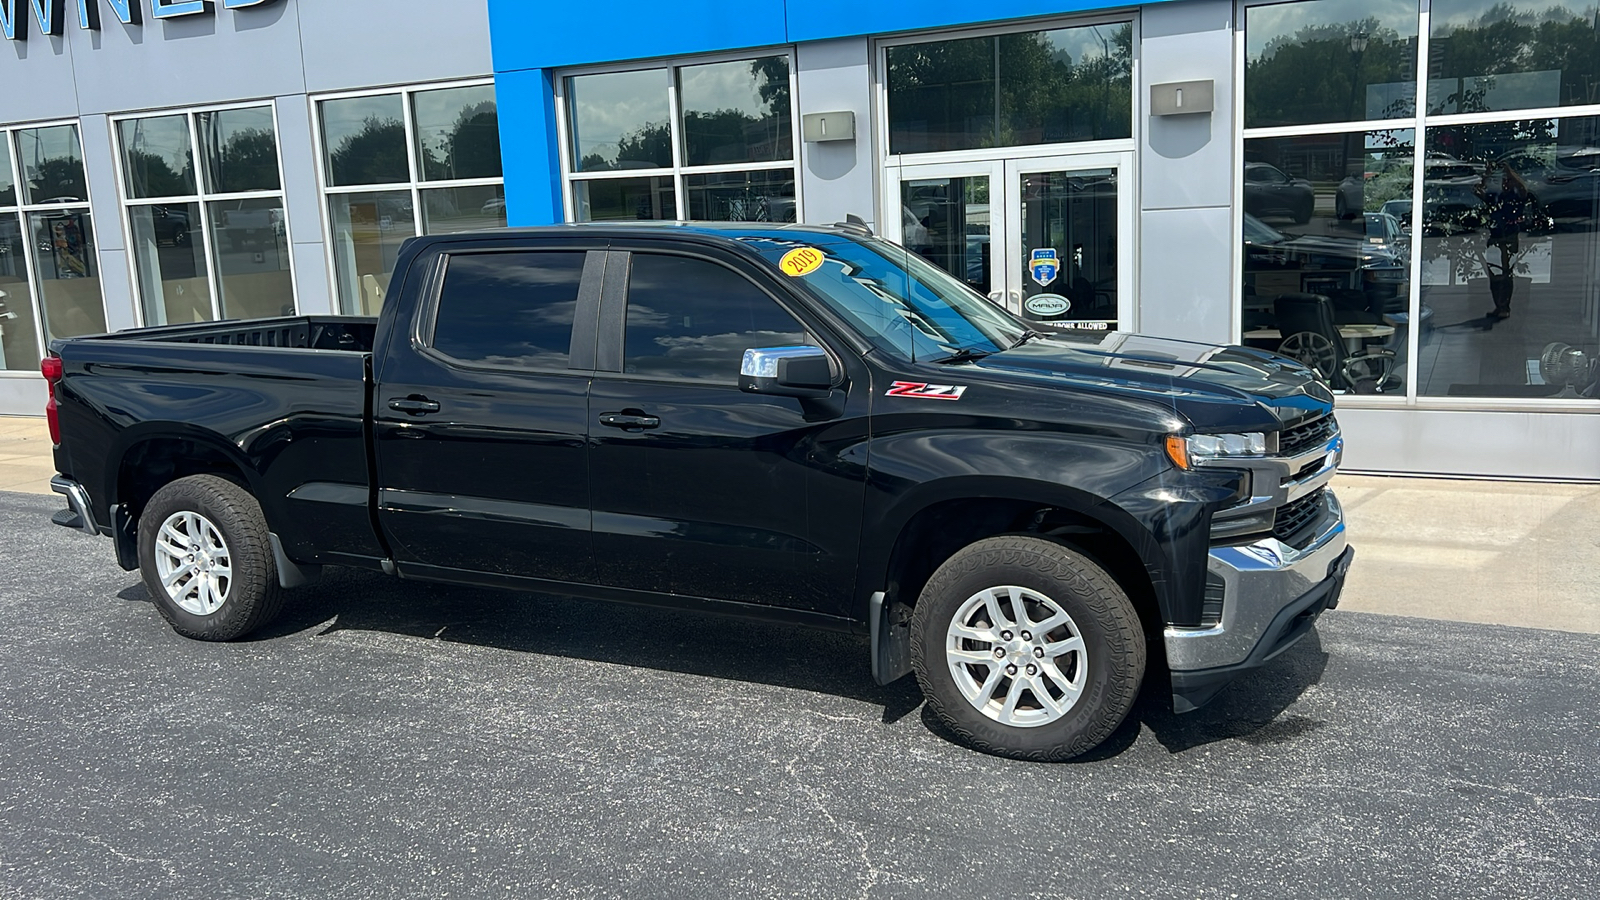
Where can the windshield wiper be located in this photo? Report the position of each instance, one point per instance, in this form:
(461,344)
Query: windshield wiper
(1026,337)
(965,354)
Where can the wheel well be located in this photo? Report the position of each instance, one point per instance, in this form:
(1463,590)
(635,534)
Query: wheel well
(149,466)
(934,535)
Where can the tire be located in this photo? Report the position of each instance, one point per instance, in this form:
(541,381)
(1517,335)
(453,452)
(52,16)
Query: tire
(224,531)
(1103,660)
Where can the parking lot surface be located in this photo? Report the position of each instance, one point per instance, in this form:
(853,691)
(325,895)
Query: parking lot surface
(398,739)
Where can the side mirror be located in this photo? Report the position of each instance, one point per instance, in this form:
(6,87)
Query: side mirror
(786,372)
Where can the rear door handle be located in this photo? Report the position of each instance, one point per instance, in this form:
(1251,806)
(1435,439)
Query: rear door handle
(619,420)
(416,406)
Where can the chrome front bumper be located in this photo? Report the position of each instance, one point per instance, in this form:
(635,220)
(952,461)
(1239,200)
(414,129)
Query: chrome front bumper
(1272,592)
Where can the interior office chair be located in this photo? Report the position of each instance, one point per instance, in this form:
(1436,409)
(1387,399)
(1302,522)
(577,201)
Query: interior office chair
(1311,336)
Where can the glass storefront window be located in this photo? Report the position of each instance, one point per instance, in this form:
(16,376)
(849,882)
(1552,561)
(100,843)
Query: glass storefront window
(8,181)
(1018,89)
(391,176)
(49,273)
(620,199)
(364,140)
(218,249)
(240,149)
(458,133)
(1330,61)
(157,160)
(736,112)
(946,222)
(463,208)
(1510,249)
(1528,55)
(169,262)
(19,342)
(762,196)
(252,252)
(52,165)
(1327,253)
(67,272)
(620,120)
(368,229)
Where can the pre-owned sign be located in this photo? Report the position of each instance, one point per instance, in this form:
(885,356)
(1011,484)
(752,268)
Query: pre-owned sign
(52,14)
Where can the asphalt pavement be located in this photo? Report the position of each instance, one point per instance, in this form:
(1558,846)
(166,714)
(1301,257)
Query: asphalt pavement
(399,739)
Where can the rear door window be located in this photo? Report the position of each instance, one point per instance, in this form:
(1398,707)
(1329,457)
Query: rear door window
(512,309)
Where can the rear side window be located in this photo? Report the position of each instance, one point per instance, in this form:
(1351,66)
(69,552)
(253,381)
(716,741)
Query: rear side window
(509,309)
(693,319)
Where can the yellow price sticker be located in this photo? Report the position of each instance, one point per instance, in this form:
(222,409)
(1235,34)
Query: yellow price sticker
(801,261)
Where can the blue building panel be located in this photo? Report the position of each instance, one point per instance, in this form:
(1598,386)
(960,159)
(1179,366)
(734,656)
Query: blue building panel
(530,38)
(528,146)
(816,20)
(532,34)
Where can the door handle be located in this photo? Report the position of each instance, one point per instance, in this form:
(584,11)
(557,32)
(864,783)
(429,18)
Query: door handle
(619,420)
(416,406)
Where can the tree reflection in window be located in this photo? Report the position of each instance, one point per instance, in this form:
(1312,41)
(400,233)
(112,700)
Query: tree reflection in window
(1026,88)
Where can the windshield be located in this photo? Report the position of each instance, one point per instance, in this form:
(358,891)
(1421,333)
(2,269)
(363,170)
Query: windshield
(901,302)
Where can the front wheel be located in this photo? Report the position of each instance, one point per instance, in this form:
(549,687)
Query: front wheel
(1027,649)
(207,560)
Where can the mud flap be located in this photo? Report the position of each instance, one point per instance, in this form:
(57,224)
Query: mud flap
(891,639)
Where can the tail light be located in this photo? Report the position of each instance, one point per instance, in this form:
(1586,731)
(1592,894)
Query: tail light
(50,367)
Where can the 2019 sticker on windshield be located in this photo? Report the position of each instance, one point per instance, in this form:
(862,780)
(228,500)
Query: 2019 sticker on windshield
(926,391)
(800,261)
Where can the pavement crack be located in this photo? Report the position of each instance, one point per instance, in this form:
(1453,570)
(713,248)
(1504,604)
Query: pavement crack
(165,864)
(874,874)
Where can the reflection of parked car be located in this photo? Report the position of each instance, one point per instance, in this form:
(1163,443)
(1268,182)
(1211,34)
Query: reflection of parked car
(1567,189)
(171,225)
(1270,192)
(248,223)
(1350,198)
(1365,278)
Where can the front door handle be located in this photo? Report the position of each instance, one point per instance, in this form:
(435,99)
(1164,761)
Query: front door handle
(416,406)
(620,420)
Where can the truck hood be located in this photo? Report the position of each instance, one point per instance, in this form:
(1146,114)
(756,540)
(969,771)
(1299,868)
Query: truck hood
(1215,387)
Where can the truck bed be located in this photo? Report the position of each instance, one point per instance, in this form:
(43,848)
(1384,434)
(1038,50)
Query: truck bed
(282,401)
(353,333)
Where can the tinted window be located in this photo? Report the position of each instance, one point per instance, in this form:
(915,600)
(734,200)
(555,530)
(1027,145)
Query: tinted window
(693,319)
(509,309)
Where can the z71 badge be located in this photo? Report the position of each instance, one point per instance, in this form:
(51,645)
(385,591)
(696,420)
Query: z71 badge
(926,391)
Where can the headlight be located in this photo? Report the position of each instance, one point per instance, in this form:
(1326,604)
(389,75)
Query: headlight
(1188,450)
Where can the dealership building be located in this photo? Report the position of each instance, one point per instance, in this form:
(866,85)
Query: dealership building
(1228,172)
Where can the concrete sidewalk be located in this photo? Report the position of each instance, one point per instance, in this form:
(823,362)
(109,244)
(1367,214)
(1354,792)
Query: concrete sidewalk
(1494,552)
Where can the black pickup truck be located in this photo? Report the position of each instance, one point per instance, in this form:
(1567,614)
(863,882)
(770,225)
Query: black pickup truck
(798,423)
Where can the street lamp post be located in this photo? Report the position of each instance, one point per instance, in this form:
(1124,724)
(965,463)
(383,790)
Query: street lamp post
(1358,49)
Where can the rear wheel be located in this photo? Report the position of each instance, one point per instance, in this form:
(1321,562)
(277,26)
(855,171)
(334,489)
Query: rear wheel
(1027,649)
(206,559)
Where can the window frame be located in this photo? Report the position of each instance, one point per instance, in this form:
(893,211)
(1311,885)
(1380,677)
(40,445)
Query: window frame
(678,172)
(880,91)
(13,150)
(415,186)
(202,197)
(1421,124)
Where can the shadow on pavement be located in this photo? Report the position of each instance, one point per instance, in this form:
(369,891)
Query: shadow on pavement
(786,656)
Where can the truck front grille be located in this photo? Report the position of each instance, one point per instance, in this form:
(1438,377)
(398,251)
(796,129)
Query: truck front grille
(1292,524)
(1301,438)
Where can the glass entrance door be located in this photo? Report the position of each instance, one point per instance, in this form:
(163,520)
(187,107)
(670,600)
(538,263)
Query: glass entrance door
(1049,238)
